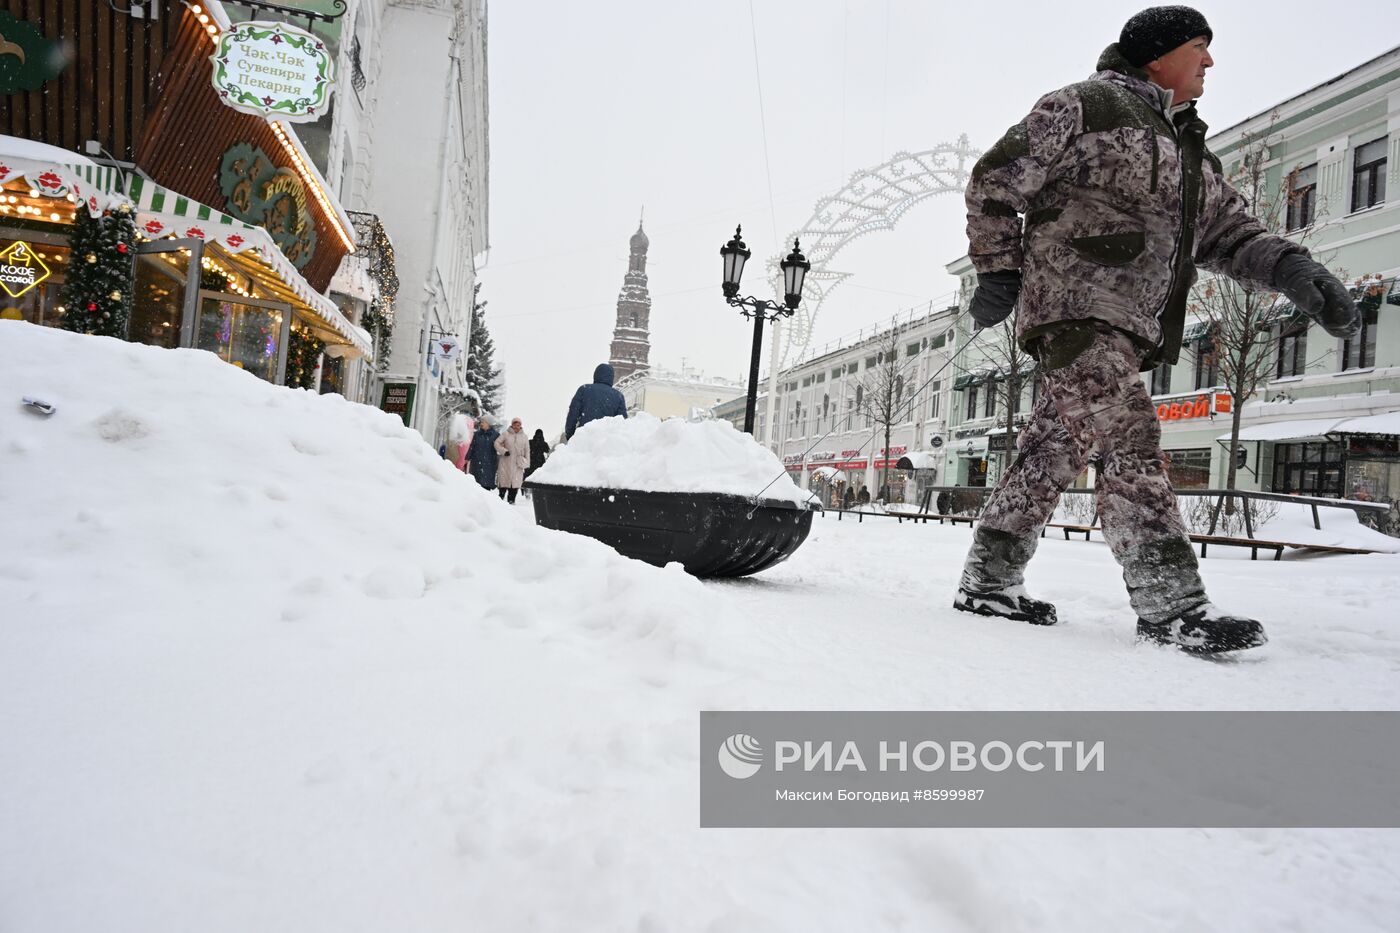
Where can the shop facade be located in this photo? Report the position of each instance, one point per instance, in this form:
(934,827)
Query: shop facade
(235,237)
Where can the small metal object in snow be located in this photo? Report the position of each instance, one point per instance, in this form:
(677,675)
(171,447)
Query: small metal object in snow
(38,405)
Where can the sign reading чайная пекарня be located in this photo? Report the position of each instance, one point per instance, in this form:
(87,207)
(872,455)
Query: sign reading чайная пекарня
(274,71)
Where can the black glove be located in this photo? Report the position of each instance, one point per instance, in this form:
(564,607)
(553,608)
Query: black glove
(995,297)
(1318,294)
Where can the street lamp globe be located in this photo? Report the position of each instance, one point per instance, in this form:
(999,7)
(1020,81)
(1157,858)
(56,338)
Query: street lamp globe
(794,268)
(735,254)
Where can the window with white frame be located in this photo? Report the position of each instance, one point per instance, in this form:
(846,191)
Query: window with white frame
(1368,174)
(1292,348)
(1161,379)
(1359,352)
(1302,197)
(1207,372)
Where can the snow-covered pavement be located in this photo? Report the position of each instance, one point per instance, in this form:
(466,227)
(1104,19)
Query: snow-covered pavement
(267,663)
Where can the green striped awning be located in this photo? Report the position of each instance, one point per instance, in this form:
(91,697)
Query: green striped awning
(149,197)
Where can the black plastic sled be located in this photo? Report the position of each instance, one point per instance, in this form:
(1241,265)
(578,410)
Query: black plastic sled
(710,534)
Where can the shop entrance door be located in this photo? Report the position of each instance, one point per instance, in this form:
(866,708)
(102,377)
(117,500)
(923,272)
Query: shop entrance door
(166,295)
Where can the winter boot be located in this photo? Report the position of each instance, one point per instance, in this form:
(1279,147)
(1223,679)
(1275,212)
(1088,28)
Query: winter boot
(1009,603)
(1204,630)
(993,579)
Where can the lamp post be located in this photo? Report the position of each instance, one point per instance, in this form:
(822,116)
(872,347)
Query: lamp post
(795,266)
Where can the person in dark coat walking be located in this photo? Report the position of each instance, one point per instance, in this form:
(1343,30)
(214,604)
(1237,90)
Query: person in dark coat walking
(482,459)
(596,400)
(1089,218)
(539,452)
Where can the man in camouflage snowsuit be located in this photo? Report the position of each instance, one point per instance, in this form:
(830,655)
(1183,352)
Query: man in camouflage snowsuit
(1121,201)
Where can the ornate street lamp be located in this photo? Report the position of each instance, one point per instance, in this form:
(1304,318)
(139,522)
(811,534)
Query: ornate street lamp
(735,254)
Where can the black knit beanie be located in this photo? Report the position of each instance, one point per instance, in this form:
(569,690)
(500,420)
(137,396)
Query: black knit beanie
(1157,30)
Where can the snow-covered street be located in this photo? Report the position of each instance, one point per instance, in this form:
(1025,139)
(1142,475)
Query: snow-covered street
(267,662)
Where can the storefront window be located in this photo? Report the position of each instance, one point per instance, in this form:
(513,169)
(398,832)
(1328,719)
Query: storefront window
(1189,469)
(1309,469)
(250,336)
(37,304)
(1373,469)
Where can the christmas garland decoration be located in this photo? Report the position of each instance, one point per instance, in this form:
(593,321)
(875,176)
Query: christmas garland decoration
(379,318)
(303,359)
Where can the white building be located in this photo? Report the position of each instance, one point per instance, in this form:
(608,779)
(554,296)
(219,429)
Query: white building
(684,394)
(825,434)
(409,144)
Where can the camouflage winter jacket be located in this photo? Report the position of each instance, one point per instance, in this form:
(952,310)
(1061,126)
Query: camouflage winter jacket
(1121,201)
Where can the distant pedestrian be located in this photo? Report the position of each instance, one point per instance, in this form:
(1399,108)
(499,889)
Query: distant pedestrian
(514,451)
(595,400)
(459,438)
(481,455)
(539,452)
(863,497)
(848,499)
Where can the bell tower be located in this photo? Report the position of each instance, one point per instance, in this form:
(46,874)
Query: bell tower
(630,343)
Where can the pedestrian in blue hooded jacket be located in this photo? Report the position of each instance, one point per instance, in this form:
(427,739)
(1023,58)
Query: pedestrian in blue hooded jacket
(596,400)
(482,458)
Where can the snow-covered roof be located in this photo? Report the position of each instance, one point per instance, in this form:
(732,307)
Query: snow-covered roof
(15,147)
(919,460)
(1285,430)
(1384,423)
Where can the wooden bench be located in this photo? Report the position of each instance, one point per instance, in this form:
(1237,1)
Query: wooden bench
(1071,529)
(934,517)
(1255,545)
(1333,549)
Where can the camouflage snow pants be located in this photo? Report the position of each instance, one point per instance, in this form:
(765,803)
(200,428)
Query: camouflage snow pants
(1097,406)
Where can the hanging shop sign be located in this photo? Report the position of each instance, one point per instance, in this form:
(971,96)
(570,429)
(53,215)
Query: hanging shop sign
(271,197)
(20,269)
(27,59)
(1197,406)
(274,71)
(397,399)
(448,348)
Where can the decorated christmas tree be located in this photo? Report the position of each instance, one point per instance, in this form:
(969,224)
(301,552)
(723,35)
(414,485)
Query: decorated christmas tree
(482,375)
(97,294)
(303,357)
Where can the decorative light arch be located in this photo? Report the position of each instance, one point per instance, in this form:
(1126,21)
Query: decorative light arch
(873,199)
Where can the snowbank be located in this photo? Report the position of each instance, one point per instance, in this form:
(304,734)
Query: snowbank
(644,452)
(268,663)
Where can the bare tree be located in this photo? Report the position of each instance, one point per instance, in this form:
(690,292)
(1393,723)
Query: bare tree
(1008,367)
(881,398)
(1241,319)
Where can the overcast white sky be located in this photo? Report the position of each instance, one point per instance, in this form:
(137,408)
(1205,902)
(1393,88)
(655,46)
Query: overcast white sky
(600,108)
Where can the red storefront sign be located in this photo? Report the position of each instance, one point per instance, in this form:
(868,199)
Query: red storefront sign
(1200,406)
(840,465)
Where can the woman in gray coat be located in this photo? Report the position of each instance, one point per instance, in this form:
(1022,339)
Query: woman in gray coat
(513,448)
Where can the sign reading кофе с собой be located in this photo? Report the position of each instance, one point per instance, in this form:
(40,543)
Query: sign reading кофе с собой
(20,269)
(274,71)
